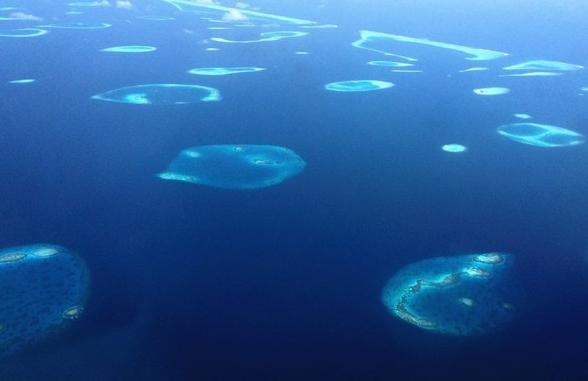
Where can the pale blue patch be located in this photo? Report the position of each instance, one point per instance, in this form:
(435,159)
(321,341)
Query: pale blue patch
(461,296)
(302,53)
(534,74)
(224,70)
(454,148)
(74,13)
(473,69)
(265,37)
(584,88)
(23,33)
(161,94)
(321,26)
(384,43)
(156,18)
(22,81)
(86,4)
(406,71)
(523,116)
(491,91)
(212,49)
(544,65)
(218,11)
(130,49)
(541,135)
(235,166)
(44,287)
(78,25)
(390,64)
(358,85)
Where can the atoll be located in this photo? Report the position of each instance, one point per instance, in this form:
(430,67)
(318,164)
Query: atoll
(234,166)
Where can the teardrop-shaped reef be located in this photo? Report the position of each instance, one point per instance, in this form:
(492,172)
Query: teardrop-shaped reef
(541,135)
(234,166)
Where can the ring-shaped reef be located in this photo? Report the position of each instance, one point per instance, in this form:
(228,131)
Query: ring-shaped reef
(454,148)
(130,49)
(265,37)
(385,43)
(78,25)
(544,65)
(541,135)
(161,94)
(461,296)
(234,166)
(358,85)
(491,91)
(215,71)
(23,32)
(44,287)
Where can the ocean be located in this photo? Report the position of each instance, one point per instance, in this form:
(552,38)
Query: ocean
(246,225)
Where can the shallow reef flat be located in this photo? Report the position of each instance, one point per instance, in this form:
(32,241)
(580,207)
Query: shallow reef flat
(216,10)
(544,65)
(491,91)
(390,64)
(541,135)
(22,32)
(161,94)
(264,37)
(217,71)
(234,166)
(358,85)
(387,43)
(130,49)
(78,25)
(44,287)
(462,295)
(454,148)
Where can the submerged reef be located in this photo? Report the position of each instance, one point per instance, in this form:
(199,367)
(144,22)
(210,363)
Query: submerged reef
(130,49)
(234,166)
(265,37)
(541,135)
(22,33)
(385,43)
(358,85)
(224,70)
(78,25)
(534,74)
(44,287)
(22,81)
(161,94)
(462,296)
(454,148)
(544,65)
(491,91)
(209,8)
(390,64)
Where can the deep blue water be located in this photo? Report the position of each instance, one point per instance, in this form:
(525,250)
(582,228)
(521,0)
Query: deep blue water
(284,283)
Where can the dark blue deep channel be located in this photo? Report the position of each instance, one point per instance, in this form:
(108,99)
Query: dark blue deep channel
(293,190)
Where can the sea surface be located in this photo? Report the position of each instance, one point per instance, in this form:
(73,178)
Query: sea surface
(284,280)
